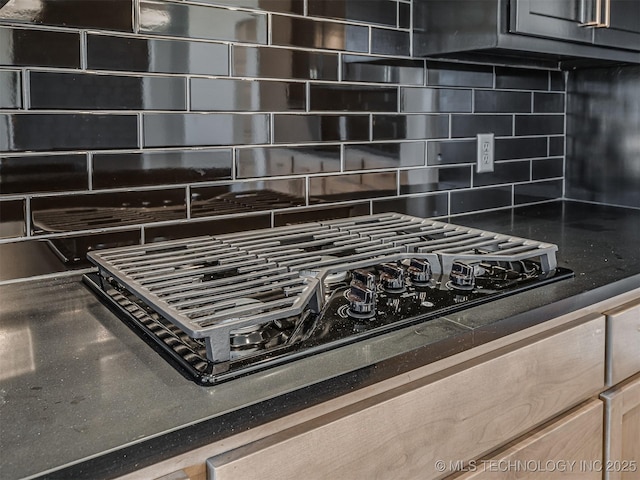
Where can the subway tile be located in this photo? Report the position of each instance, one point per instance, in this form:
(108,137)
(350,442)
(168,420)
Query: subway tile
(320,128)
(522,78)
(548,102)
(276,161)
(166,129)
(12,219)
(539,124)
(449,152)
(537,192)
(360,68)
(102,210)
(410,127)
(156,55)
(23,48)
(316,214)
(247,196)
(480,199)
(515,148)
(390,42)
(268,62)
(56,255)
(432,179)
(74,91)
(557,81)
(547,168)
(10,89)
(303,32)
(353,98)
(556,146)
(246,95)
(382,12)
(504,172)
(353,186)
(196,228)
(282,6)
(491,101)
(459,75)
(404,15)
(367,156)
(98,14)
(471,125)
(174,19)
(438,100)
(424,206)
(43,173)
(39,132)
(115,170)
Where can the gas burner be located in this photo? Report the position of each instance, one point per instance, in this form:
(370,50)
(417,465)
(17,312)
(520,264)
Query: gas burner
(220,307)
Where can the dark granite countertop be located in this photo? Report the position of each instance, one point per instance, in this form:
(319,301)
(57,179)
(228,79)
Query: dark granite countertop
(83,397)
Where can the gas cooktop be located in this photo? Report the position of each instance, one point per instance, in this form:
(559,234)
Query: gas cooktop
(220,307)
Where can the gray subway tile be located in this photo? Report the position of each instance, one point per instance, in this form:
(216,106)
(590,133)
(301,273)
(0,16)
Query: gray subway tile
(515,148)
(471,125)
(383,12)
(72,91)
(214,226)
(103,14)
(537,192)
(276,161)
(320,128)
(404,15)
(459,75)
(539,124)
(491,101)
(556,146)
(246,95)
(195,129)
(361,68)
(43,173)
(504,172)
(304,32)
(522,78)
(116,170)
(353,98)
(175,19)
(547,168)
(316,214)
(282,6)
(10,89)
(22,47)
(390,42)
(367,156)
(410,127)
(480,199)
(12,219)
(425,206)
(435,100)
(268,62)
(432,179)
(105,52)
(548,102)
(557,81)
(44,131)
(449,152)
(354,186)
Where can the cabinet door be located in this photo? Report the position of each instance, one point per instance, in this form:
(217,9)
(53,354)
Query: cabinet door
(569,447)
(560,20)
(622,431)
(624,25)
(452,416)
(623,342)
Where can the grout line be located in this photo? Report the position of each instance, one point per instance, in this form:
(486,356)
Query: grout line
(187,92)
(83,50)
(27,216)
(90,170)
(187,201)
(26,88)
(140,131)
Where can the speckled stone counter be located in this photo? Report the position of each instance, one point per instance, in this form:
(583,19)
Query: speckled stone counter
(81,396)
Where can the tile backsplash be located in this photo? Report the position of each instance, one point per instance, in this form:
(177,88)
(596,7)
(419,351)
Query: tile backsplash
(129,121)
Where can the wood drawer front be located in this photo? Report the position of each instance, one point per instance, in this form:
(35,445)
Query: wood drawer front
(457,414)
(569,447)
(623,342)
(622,430)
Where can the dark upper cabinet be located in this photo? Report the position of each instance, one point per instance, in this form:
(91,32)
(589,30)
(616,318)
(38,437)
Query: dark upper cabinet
(551,33)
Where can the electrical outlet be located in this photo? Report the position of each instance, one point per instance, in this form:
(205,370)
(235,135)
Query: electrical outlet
(484,159)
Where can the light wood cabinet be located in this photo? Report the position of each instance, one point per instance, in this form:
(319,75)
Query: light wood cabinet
(622,431)
(623,342)
(455,415)
(568,447)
